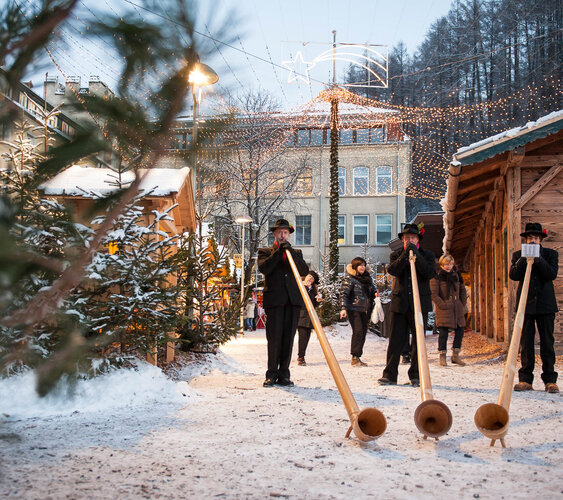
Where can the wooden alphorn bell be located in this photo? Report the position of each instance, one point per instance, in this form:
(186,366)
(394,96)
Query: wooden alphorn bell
(492,419)
(367,424)
(432,417)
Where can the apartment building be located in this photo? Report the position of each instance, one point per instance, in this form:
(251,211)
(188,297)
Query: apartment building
(374,158)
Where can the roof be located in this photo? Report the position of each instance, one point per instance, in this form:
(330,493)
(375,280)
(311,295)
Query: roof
(88,182)
(479,169)
(510,139)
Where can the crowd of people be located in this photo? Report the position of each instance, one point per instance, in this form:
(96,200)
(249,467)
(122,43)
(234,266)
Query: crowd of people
(440,289)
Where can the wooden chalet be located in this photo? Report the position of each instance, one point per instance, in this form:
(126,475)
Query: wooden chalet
(494,188)
(161,188)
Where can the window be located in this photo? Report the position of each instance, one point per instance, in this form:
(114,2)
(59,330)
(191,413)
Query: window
(303,230)
(361,181)
(316,137)
(383,227)
(361,226)
(271,237)
(341,181)
(341,229)
(376,135)
(347,136)
(304,184)
(384,180)
(303,137)
(362,136)
(222,229)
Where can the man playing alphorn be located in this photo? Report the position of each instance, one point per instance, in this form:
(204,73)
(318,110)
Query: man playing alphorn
(282,301)
(541,307)
(402,306)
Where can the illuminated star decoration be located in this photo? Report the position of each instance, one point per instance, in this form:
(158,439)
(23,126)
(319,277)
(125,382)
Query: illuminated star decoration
(363,56)
(298,68)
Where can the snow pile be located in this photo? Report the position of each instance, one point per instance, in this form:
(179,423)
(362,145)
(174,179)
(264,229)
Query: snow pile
(119,389)
(207,364)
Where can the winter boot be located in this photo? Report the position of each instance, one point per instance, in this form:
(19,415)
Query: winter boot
(443,361)
(456,359)
(357,362)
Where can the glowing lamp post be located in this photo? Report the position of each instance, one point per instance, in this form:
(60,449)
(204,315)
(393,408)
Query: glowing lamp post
(200,76)
(242,221)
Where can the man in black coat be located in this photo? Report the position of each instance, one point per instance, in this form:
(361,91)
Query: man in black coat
(282,301)
(402,306)
(541,306)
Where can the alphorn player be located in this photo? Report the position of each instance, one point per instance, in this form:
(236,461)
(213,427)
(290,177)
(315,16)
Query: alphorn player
(402,306)
(541,307)
(282,302)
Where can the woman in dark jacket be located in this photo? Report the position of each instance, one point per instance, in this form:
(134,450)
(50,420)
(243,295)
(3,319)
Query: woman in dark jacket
(356,301)
(305,325)
(449,297)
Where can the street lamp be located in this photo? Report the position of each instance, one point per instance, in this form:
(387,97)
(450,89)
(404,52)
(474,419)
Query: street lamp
(242,220)
(200,76)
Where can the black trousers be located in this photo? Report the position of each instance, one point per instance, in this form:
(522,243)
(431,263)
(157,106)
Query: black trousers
(281,323)
(304,336)
(402,325)
(359,323)
(443,337)
(545,324)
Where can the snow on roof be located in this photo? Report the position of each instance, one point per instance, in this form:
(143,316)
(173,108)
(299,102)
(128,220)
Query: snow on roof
(322,107)
(90,182)
(514,132)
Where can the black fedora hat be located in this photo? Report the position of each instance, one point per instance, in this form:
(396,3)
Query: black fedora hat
(282,224)
(411,229)
(534,228)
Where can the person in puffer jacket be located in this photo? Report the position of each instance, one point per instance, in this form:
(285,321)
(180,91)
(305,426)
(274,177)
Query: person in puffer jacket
(356,301)
(449,297)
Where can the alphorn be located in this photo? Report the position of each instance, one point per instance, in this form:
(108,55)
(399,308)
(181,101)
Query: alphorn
(432,417)
(492,419)
(367,424)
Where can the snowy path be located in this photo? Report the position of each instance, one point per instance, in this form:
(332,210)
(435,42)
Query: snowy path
(229,437)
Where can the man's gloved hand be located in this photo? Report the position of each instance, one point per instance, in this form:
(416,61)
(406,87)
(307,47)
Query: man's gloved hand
(285,245)
(411,246)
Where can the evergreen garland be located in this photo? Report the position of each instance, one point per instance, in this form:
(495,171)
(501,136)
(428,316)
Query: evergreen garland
(334,191)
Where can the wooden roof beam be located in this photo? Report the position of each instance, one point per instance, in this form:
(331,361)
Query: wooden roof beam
(538,186)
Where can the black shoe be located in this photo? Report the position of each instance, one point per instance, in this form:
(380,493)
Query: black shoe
(415,382)
(406,359)
(386,381)
(268,383)
(285,382)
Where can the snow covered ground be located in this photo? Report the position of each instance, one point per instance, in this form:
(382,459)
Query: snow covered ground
(214,431)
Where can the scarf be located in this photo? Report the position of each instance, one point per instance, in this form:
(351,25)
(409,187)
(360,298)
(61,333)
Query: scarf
(450,278)
(365,281)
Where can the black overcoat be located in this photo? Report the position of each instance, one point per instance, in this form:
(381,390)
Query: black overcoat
(541,295)
(304,318)
(399,268)
(280,286)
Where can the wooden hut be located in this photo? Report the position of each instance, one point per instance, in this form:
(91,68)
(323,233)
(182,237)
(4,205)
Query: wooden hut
(494,188)
(160,188)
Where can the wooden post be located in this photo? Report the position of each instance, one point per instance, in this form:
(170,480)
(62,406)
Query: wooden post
(499,259)
(490,277)
(483,283)
(514,225)
(170,352)
(152,355)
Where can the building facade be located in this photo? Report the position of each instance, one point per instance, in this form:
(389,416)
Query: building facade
(374,166)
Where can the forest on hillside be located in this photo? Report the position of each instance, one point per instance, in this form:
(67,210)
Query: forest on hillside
(485,67)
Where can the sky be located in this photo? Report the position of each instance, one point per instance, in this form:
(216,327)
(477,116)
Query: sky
(272,37)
